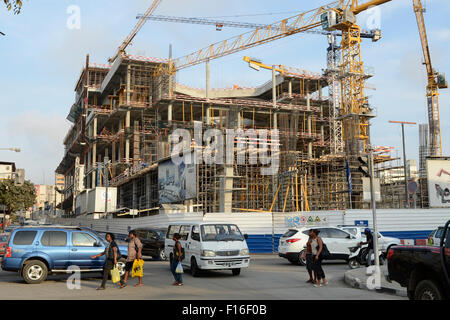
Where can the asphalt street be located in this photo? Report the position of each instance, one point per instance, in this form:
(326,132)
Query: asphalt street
(268,278)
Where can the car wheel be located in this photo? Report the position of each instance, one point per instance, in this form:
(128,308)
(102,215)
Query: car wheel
(236,271)
(301,261)
(427,290)
(121,266)
(162,255)
(353,263)
(34,271)
(195,271)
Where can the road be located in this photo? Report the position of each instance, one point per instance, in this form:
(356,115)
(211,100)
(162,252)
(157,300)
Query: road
(268,278)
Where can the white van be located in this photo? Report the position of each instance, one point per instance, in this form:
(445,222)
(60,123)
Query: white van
(209,246)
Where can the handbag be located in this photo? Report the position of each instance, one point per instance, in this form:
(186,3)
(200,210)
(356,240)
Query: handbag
(325,253)
(179,268)
(115,274)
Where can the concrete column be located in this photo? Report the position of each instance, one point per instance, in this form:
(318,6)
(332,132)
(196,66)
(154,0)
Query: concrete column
(169,113)
(208,108)
(226,189)
(309,123)
(94,157)
(106,152)
(128,84)
(127,141)
(274,87)
(275,120)
(290,88)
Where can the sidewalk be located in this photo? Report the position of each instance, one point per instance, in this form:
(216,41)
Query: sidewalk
(357,278)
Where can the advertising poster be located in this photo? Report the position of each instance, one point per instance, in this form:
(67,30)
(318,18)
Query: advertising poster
(438,172)
(176,183)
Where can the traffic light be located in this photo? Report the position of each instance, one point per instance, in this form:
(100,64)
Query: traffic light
(364,167)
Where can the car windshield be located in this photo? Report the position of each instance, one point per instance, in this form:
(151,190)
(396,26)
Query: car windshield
(221,232)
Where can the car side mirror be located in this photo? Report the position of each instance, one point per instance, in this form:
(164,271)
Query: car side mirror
(97,244)
(245,236)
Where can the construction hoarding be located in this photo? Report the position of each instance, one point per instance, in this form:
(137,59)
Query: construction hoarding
(438,174)
(176,183)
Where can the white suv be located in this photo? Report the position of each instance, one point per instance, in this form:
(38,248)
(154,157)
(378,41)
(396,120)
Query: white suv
(293,242)
(384,243)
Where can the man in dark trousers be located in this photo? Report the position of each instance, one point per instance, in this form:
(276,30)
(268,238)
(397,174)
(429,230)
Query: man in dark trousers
(134,252)
(369,242)
(111,258)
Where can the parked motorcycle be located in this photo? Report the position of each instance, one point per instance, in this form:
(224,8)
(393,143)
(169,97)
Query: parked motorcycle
(358,257)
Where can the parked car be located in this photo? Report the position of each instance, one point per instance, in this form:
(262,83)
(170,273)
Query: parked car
(37,251)
(153,240)
(435,236)
(293,242)
(423,270)
(210,246)
(384,243)
(3,241)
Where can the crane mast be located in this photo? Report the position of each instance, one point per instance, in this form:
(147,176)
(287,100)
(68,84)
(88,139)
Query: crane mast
(435,81)
(135,30)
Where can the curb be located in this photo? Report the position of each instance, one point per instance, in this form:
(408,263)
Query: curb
(358,283)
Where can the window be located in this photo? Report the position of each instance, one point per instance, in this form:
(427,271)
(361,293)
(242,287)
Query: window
(184,232)
(151,234)
(81,239)
(54,238)
(221,232)
(141,234)
(195,233)
(337,234)
(290,233)
(323,233)
(353,231)
(24,238)
(172,230)
(306,232)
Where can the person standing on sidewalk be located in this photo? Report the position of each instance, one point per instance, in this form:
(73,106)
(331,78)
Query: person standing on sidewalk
(111,253)
(369,242)
(177,257)
(134,252)
(316,249)
(307,255)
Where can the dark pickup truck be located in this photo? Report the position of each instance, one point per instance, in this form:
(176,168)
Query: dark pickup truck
(423,270)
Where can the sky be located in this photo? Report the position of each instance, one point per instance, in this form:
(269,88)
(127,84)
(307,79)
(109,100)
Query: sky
(45,48)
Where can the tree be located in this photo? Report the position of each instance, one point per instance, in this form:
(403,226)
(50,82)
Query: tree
(16,4)
(16,198)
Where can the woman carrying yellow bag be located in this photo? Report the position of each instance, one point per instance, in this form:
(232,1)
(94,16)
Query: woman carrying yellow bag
(134,256)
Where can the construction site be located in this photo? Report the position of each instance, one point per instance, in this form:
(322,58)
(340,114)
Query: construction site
(125,113)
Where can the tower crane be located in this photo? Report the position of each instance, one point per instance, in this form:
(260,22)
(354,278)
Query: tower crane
(340,16)
(436,81)
(372,34)
(135,30)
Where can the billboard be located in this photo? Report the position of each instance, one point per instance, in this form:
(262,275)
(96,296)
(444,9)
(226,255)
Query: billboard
(176,183)
(438,174)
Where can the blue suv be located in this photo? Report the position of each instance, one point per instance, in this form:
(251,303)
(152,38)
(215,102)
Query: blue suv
(36,251)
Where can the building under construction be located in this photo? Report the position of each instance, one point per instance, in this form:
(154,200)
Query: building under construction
(125,113)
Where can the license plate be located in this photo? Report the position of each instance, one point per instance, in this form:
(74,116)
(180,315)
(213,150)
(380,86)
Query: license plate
(229,264)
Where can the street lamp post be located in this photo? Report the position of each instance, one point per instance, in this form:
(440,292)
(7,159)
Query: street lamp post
(404,158)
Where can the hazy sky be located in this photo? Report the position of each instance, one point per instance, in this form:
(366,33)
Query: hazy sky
(41,60)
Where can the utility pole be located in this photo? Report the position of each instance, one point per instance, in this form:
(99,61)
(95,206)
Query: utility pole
(404,158)
(367,169)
